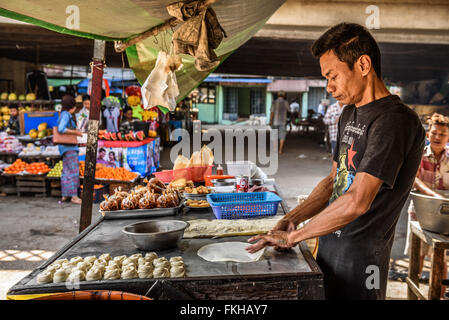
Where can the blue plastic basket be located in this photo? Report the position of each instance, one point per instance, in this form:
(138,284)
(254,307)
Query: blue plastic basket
(243,205)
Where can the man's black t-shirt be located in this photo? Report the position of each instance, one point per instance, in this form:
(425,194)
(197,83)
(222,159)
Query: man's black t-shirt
(385,139)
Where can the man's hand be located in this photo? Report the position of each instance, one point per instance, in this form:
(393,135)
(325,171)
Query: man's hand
(284,225)
(273,238)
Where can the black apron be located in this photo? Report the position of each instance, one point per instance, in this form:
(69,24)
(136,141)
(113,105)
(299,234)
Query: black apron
(354,270)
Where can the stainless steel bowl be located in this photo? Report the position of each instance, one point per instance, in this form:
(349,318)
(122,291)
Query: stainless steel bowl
(432,213)
(223,182)
(156,234)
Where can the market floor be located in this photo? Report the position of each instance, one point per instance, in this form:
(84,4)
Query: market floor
(32,229)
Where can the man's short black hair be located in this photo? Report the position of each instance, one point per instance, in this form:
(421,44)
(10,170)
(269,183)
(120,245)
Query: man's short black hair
(14,106)
(102,150)
(349,41)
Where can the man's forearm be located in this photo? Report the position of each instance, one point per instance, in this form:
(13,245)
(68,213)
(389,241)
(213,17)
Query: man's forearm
(420,185)
(341,212)
(315,202)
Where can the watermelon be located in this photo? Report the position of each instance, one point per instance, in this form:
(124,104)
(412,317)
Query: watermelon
(120,136)
(140,135)
(106,136)
(113,136)
(130,136)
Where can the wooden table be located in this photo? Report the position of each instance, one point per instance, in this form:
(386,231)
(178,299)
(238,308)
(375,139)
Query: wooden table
(279,275)
(438,243)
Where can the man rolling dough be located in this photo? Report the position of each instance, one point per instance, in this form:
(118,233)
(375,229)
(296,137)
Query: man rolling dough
(379,147)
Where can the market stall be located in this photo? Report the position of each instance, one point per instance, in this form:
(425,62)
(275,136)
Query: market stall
(276,275)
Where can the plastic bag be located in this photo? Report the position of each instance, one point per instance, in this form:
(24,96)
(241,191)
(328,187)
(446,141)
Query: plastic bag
(181,162)
(161,86)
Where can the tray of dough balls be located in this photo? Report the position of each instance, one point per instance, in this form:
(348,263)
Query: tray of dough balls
(105,267)
(152,200)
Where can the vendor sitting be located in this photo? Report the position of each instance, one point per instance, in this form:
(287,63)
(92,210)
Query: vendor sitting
(127,123)
(13,126)
(433,173)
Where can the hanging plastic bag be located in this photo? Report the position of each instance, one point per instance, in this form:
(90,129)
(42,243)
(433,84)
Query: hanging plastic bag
(161,87)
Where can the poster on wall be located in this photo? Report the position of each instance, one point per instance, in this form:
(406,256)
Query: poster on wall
(135,159)
(109,157)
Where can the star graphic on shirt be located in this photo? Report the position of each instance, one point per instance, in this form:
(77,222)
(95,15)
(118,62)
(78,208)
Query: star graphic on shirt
(351,154)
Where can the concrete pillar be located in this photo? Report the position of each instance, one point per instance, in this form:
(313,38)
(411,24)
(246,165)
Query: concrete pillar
(219,103)
(304,104)
(268,102)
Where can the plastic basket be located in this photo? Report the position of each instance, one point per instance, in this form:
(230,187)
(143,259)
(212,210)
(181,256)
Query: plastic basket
(197,174)
(243,205)
(239,168)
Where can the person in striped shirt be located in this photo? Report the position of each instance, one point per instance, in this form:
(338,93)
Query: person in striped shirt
(331,119)
(433,173)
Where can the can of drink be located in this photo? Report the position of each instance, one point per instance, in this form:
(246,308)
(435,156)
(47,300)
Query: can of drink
(242,183)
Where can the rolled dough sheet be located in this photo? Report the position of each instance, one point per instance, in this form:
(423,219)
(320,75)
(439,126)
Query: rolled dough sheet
(228,251)
(203,228)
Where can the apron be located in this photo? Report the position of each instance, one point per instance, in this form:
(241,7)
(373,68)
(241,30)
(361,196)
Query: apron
(352,269)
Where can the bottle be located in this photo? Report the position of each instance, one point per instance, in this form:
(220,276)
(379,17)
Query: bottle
(219,170)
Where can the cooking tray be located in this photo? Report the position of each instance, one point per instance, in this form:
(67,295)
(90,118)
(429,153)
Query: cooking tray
(194,196)
(141,213)
(432,213)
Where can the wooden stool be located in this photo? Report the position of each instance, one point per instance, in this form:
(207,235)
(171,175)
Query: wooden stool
(438,243)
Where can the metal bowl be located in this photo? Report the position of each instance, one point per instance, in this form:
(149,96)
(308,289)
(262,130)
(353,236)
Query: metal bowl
(432,213)
(223,182)
(156,234)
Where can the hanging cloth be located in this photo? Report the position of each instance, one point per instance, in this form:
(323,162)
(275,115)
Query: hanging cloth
(199,35)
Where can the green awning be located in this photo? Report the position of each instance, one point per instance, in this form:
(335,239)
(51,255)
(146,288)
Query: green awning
(62,82)
(112,20)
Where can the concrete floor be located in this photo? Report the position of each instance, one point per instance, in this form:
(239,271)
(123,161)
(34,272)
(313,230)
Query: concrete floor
(32,229)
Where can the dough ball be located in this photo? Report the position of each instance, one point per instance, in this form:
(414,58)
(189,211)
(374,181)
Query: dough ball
(150,256)
(52,269)
(119,259)
(45,277)
(113,263)
(141,261)
(173,259)
(177,272)
(90,259)
(105,256)
(136,256)
(161,273)
(60,276)
(177,264)
(77,275)
(112,274)
(94,274)
(129,261)
(85,266)
(102,262)
(145,271)
(129,272)
(60,261)
(75,260)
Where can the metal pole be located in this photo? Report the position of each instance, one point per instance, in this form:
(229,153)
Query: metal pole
(92,135)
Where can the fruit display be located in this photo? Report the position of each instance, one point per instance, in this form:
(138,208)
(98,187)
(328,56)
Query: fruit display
(37,168)
(13,96)
(56,171)
(30,150)
(30,168)
(130,136)
(154,195)
(115,174)
(97,168)
(96,186)
(17,167)
(9,143)
(41,132)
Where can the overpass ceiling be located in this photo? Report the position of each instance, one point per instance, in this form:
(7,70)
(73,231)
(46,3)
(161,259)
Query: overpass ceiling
(401,62)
